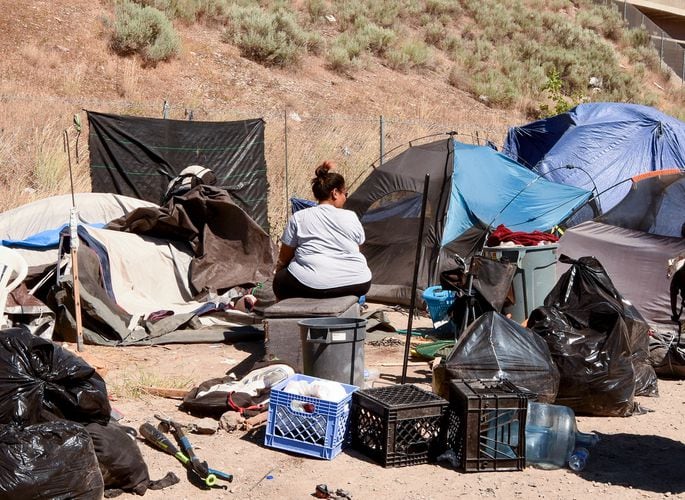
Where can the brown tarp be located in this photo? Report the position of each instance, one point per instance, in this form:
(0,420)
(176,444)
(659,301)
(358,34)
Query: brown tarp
(230,248)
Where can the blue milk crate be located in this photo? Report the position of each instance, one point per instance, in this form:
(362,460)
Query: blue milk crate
(321,433)
(439,302)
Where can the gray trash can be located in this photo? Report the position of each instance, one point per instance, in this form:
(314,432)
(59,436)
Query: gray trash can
(333,348)
(535,275)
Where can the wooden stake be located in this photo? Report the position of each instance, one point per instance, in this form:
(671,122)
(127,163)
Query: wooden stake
(73,244)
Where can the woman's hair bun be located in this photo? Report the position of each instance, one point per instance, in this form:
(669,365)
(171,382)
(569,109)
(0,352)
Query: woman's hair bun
(323,169)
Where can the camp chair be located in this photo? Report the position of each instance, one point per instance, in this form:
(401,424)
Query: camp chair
(11,263)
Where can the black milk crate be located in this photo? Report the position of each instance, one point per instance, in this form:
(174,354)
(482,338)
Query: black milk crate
(397,425)
(486,425)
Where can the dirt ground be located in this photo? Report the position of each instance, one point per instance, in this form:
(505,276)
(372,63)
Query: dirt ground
(638,457)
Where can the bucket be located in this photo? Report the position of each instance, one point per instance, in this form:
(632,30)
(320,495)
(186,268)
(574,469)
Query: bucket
(438,302)
(333,349)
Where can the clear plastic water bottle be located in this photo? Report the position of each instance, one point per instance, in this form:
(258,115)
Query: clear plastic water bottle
(550,435)
(370,376)
(578,459)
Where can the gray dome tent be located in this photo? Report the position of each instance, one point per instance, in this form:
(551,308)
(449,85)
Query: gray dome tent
(635,240)
(472,189)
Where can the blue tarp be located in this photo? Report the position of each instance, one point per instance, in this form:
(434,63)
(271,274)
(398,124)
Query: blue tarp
(45,239)
(489,189)
(606,143)
(297,204)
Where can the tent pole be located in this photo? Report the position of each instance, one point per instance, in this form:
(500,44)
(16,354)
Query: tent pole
(412,303)
(285,133)
(381,132)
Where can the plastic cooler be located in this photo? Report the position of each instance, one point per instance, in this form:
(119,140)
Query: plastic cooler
(535,275)
(438,302)
(320,432)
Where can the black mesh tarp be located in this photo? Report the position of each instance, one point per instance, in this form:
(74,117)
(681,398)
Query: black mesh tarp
(127,152)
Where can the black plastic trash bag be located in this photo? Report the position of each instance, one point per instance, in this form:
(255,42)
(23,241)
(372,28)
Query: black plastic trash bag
(48,460)
(40,381)
(121,462)
(494,346)
(664,354)
(639,336)
(585,325)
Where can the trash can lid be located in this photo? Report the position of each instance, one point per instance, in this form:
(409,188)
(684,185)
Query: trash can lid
(333,323)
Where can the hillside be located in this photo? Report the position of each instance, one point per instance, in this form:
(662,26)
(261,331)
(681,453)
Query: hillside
(56,60)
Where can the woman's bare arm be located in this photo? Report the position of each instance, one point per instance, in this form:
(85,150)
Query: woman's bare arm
(285,255)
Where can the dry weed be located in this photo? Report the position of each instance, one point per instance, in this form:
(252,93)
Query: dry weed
(38,58)
(131,385)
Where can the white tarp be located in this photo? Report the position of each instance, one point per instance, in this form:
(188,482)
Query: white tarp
(148,274)
(51,213)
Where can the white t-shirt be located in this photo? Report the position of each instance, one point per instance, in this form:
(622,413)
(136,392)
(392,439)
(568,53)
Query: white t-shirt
(326,241)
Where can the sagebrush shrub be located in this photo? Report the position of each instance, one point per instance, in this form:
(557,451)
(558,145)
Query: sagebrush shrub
(436,35)
(376,38)
(143,30)
(411,54)
(269,38)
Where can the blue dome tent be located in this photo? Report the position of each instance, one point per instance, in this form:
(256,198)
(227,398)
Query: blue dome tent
(600,146)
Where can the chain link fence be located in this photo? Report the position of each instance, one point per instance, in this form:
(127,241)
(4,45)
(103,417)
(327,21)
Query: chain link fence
(671,51)
(296,141)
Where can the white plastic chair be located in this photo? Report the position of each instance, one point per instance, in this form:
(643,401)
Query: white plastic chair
(13,270)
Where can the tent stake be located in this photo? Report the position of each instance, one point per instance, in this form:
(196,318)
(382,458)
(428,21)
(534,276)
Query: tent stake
(412,303)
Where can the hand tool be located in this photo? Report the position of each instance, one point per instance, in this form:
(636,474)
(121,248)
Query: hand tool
(199,467)
(160,441)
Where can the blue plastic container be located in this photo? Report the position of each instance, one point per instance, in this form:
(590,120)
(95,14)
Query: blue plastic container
(439,302)
(321,433)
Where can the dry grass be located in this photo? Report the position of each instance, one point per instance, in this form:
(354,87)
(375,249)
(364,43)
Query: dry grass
(353,142)
(338,122)
(35,164)
(131,385)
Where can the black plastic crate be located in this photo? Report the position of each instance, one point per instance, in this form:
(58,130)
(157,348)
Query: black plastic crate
(486,425)
(397,425)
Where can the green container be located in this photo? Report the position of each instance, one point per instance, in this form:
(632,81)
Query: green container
(534,278)
(333,348)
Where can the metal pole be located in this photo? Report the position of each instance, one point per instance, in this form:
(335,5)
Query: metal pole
(165,109)
(382,133)
(625,6)
(65,138)
(285,134)
(412,303)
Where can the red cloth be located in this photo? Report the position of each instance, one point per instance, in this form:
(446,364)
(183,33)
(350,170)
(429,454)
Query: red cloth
(502,234)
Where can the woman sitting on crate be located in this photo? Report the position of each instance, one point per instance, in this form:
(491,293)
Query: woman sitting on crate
(319,255)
